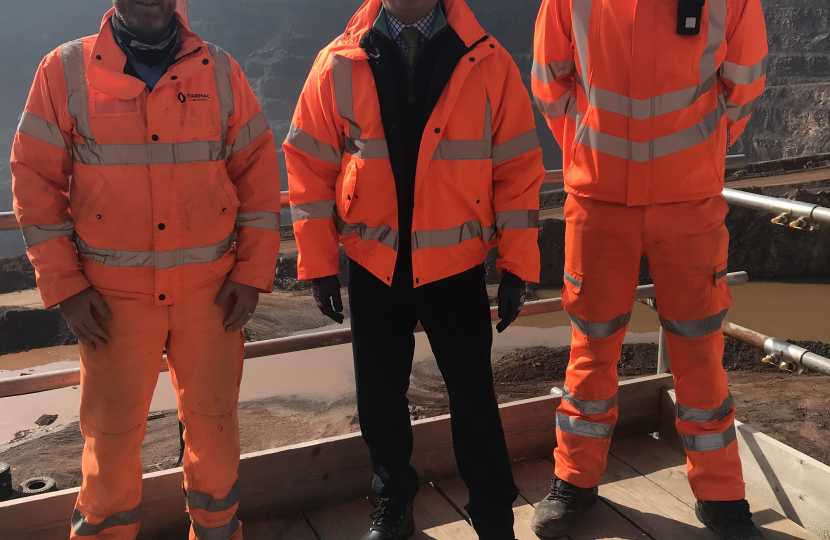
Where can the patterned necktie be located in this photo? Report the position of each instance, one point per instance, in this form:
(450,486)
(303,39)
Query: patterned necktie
(412,38)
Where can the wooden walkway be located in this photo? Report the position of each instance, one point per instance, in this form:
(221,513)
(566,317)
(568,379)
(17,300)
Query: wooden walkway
(644,495)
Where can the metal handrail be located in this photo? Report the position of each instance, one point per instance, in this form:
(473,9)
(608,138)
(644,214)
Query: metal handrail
(43,382)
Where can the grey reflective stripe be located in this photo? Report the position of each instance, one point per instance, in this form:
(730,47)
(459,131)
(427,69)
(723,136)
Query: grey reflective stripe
(267,221)
(160,260)
(517,219)
(255,128)
(82,528)
(573,281)
(35,126)
(603,329)
(148,154)
(711,441)
(722,274)
(554,70)
(714,39)
(38,234)
(736,112)
(367,148)
(313,210)
(304,142)
(694,329)
(74,71)
(583,428)
(384,234)
(224,86)
(216,533)
(745,75)
(704,416)
(453,236)
(581,13)
(641,152)
(515,147)
(471,149)
(589,407)
(557,108)
(341,73)
(208,503)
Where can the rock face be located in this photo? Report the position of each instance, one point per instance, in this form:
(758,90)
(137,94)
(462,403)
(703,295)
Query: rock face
(25,329)
(16,274)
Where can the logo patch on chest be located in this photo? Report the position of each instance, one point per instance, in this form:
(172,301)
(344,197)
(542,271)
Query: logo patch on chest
(198,97)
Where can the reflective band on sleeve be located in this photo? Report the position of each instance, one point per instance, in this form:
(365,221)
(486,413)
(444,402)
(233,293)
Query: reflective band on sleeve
(603,329)
(704,416)
(453,236)
(573,281)
(367,148)
(384,234)
(40,129)
(736,112)
(224,86)
(255,128)
(694,329)
(216,533)
(517,219)
(306,143)
(38,234)
(82,528)
(149,154)
(208,503)
(515,147)
(745,75)
(313,210)
(341,73)
(589,407)
(711,441)
(556,109)
(267,221)
(583,428)
(554,70)
(160,260)
(74,71)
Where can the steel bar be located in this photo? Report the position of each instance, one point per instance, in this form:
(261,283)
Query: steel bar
(71,377)
(795,209)
(800,357)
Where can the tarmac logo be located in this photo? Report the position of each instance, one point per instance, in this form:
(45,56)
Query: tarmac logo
(198,97)
(182,97)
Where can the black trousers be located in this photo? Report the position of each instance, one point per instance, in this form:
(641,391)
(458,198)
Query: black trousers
(455,313)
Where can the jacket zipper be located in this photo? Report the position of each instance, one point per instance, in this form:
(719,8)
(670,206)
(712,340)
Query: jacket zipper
(179,59)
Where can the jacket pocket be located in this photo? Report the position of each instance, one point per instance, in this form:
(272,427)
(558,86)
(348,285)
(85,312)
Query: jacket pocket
(230,199)
(573,280)
(346,189)
(89,204)
(579,150)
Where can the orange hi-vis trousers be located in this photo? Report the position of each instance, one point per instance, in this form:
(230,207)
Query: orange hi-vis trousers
(687,247)
(117,384)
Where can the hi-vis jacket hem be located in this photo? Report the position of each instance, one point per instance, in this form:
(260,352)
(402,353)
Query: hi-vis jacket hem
(170,189)
(477,179)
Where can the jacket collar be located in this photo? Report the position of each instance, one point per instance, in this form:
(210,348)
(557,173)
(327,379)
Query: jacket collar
(107,74)
(458,16)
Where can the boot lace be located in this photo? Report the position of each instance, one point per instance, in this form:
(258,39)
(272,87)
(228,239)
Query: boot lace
(563,491)
(388,516)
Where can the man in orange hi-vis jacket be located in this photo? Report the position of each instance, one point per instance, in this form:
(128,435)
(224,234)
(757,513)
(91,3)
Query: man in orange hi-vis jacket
(414,145)
(644,96)
(163,239)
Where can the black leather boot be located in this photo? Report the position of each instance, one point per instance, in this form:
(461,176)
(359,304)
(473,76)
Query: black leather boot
(556,512)
(731,520)
(393,521)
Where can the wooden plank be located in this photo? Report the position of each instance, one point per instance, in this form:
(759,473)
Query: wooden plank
(649,506)
(344,522)
(326,472)
(288,528)
(789,482)
(436,518)
(600,522)
(667,468)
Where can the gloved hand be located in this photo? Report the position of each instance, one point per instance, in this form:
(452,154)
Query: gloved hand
(511,300)
(326,292)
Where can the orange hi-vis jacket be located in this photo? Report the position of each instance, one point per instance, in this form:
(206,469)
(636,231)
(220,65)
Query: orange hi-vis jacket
(644,115)
(162,182)
(478,174)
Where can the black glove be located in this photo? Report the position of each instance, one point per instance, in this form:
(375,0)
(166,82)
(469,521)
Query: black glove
(326,292)
(511,300)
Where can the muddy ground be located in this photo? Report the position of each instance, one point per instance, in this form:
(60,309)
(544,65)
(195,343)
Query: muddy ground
(794,409)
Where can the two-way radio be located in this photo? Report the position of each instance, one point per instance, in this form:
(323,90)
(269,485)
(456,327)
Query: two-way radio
(689,13)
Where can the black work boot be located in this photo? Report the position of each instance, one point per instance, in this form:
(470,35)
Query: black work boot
(557,511)
(393,521)
(731,520)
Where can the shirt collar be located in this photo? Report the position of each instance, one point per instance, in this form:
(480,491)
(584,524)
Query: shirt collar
(388,25)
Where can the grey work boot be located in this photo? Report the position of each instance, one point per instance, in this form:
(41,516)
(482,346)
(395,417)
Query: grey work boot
(556,512)
(731,520)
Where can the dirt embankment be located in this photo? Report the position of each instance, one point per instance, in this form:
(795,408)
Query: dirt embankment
(802,420)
